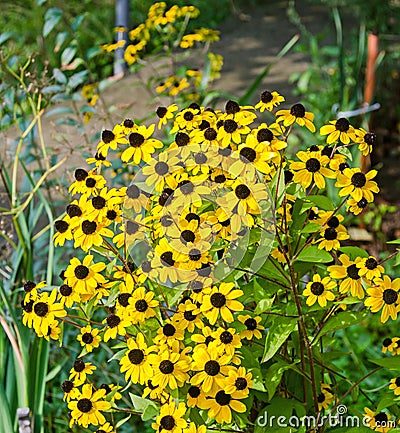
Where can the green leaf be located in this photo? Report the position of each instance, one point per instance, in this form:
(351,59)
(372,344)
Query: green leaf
(278,333)
(274,375)
(311,228)
(59,111)
(354,252)
(386,401)
(342,320)
(67,55)
(389,363)
(312,253)
(345,151)
(51,19)
(59,76)
(322,202)
(141,404)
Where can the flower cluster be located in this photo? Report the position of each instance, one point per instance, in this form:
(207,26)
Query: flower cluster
(166,30)
(165,264)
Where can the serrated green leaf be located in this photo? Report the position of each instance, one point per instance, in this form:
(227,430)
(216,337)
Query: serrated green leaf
(312,253)
(278,333)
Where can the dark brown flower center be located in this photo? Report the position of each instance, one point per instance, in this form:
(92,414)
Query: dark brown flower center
(247,154)
(370,138)
(161,112)
(317,288)
(166,258)
(298,110)
(111,214)
(210,134)
(107,136)
(136,356)
(61,226)
(166,366)
(128,123)
(89,227)
(321,398)
(218,300)
(330,234)
(73,210)
(87,338)
(195,255)
(241,383)
(251,324)
(182,139)
(67,386)
(141,305)
(188,236)
(352,272)
(186,187)
(41,309)
(358,180)
(266,97)
(98,202)
(264,134)
(188,116)
(232,107)
(362,203)
(389,296)
(65,290)
(79,365)
(226,337)
(242,191)
(167,422)
(80,174)
(192,216)
(371,263)
(84,405)
(204,125)
(133,192)
(381,418)
(333,222)
(169,330)
(313,165)
(113,320)
(220,178)
(212,368)
(132,227)
(161,168)
(194,391)
(342,125)
(189,316)
(200,158)
(90,182)
(387,342)
(230,126)
(29,286)
(343,166)
(165,196)
(136,139)
(222,398)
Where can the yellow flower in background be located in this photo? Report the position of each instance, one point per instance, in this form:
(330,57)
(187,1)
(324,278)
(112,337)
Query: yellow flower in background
(296,114)
(378,421)
(171,418)
(339,130)
(80,370)
(349,273)
(268,101)
(325,397)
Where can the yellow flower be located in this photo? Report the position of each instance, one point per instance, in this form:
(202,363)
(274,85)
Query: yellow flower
(80,370)
(384,296)
(311,167)
(86,410)
(269,100)
(135,363)
(221,301)
(366,141)
(296,114)
(338,130)
(395,385)
(221,405)
(348,272)
(253,327)
(358,185)
(171,418)
(89,338)
(370,268)
(325,397)
(319,290)
(379,422)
